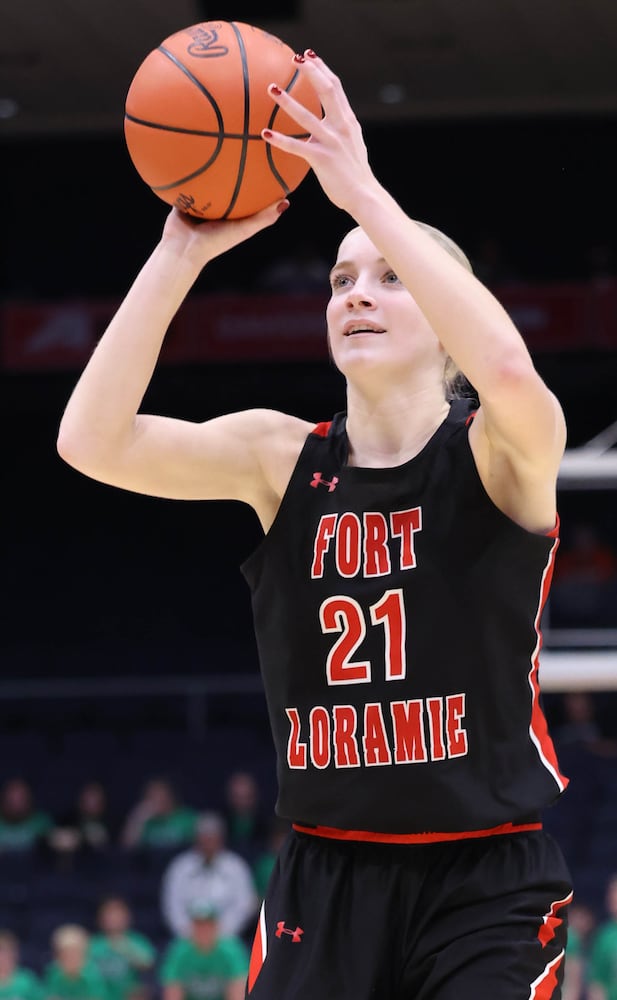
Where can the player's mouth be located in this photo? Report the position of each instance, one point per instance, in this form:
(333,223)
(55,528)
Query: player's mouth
(356,327)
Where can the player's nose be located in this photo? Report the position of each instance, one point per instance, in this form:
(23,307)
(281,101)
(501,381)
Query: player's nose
(360,295)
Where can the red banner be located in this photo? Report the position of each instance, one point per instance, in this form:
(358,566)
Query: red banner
(62,335)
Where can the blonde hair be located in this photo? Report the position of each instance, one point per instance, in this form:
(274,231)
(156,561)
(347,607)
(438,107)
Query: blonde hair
(69,936)
(454,380)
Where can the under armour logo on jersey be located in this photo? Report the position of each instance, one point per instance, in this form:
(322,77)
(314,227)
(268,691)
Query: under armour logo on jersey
(296,935)
(330,483)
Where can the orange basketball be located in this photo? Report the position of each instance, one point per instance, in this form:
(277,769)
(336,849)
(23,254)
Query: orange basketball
(194,114)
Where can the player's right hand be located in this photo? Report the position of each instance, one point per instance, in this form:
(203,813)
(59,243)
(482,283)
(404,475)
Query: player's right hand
(203,240)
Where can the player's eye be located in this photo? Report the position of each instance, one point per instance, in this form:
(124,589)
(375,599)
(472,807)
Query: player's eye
(339,280)
(391,278)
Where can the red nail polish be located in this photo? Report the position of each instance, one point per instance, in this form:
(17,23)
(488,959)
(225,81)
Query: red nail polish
(310,54)
(275,90)
(266,133)
(282,207)
(299,58)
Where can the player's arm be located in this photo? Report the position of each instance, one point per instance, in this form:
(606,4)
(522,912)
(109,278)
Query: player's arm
(521,423)
(102,432)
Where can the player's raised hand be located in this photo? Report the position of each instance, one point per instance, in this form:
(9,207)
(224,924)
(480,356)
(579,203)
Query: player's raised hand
(336,150)
(202,241)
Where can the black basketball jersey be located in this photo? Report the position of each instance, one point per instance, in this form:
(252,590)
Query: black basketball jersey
(397,616)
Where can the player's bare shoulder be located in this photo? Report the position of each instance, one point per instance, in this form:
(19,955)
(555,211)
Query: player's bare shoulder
(278,439)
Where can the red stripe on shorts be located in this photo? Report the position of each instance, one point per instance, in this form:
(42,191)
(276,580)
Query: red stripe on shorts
(259,949)
(551,920)
(543,988)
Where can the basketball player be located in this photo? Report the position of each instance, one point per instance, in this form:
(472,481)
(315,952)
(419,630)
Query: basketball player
(397,597)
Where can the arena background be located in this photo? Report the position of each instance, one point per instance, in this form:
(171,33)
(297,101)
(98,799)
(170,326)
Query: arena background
(126,645)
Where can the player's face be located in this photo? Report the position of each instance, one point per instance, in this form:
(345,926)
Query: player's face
(371,316)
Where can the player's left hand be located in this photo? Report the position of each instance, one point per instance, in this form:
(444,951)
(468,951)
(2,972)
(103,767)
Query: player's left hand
(336,150)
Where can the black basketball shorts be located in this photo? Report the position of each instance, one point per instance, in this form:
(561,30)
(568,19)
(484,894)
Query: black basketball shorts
(464,920)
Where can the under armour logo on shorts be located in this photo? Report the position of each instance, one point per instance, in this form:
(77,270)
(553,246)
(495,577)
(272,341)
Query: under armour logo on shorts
(296,935)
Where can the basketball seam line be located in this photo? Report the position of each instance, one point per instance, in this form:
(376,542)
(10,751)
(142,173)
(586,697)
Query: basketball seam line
(204,132)
(247,118)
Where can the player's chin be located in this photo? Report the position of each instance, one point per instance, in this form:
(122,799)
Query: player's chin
(360,345)
(366,358)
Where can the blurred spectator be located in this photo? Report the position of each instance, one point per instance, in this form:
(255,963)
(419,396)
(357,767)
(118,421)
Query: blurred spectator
(264,864)
(86,827)
(302,271)
(581,923)
(204,964)
(22,825)
(210,873)
(603,953)
(584,589)
(121,954)
(573,980)
(16,983)
(579,726)
(246,825)
(159,820)
(70,976)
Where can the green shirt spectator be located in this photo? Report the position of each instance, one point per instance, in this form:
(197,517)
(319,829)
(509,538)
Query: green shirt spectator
(175,829)
(16,983)
(120,961)
(86,984)
(121,954)
(204,975)
(22,825)
(70,976)
(204,966)
(24,833)
(603,959)
(21,985)
(159,820)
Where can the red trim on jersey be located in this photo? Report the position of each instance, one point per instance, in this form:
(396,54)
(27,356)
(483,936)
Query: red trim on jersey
(551,920)
(554,532)
(538,729)
(470,418)
(332,833)
(322,429)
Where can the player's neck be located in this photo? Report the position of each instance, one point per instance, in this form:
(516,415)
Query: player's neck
(390,430)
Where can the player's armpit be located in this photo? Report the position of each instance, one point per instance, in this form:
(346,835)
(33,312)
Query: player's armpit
(523,421)
(519,464)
